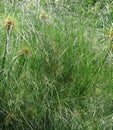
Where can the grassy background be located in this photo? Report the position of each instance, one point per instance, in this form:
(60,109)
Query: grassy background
(58,73)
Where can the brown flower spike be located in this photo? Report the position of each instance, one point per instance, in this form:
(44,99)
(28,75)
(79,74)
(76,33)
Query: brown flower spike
(9,23)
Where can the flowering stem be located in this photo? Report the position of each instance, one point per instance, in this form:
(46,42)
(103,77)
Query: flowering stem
(4,59)
(5,49)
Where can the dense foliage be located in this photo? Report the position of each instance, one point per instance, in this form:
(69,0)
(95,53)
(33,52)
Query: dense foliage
(56,65)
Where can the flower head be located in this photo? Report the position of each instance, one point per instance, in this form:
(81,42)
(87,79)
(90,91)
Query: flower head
(111,34)
(112,47)
(25,51)
(43,16)
(11,117)
(9,23)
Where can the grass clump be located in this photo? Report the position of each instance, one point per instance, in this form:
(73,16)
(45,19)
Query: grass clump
(56,65)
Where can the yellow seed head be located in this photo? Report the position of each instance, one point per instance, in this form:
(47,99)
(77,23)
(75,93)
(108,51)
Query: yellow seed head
(10,23)
(11,117)
(112,47)
(111,34)
(43,16)
(25,51)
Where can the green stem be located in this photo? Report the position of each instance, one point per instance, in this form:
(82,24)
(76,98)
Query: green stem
(4,61)
(5,50)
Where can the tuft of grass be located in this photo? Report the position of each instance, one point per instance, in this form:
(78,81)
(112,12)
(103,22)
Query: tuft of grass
(56,65)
